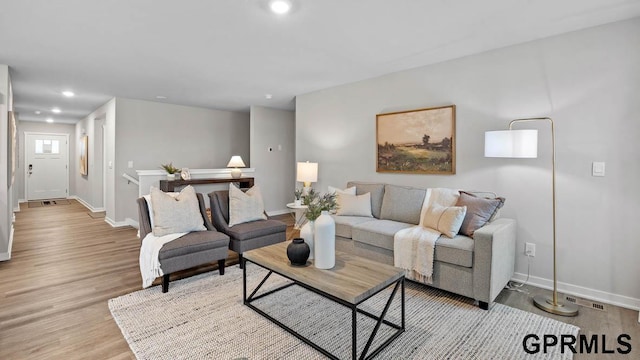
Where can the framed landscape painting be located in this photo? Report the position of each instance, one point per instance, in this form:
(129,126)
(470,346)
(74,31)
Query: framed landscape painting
(84,155)
(419,141)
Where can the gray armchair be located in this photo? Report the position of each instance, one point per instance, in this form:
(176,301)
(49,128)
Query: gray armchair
(246,236)
(193,249)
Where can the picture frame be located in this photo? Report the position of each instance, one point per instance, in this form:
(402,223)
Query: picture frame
(421,141)
(185,174)
(11,149)
(84,155)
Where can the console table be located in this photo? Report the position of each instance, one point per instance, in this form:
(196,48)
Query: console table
(171,185)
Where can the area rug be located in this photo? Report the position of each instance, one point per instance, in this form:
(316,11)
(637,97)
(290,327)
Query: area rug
(203,318)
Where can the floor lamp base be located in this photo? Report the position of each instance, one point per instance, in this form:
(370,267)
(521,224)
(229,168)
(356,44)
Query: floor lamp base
(545,303)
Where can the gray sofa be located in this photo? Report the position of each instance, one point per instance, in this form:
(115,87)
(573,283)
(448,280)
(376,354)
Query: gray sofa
(477,267)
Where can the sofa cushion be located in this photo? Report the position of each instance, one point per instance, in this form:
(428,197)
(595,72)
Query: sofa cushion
(345,223)
(254,229)
(245,207)
(479,211)
(377,192)
(194,242)
(445,219)
(378,232)
(457,251)
(402,203)
(354,205)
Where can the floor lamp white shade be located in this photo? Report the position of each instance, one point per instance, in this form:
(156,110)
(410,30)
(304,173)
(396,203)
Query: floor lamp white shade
(307,172)
(524,144)
(235,163)
(511,143)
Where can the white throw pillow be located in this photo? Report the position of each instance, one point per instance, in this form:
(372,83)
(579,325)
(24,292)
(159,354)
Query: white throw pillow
(334,190)
(147,198)
(245,207)
(176,214)
(445,219)
(354,205)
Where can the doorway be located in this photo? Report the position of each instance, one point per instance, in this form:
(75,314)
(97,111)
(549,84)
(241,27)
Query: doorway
(46,166)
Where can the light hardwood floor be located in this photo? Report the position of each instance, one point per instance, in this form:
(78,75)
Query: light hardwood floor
(65,266)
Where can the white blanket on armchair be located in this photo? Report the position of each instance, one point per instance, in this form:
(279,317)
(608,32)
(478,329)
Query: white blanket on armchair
(413,248)
(149,256)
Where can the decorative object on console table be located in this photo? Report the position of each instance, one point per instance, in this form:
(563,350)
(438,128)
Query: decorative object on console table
(325,241)
(307,173)
(235,163)
(185,174)
(298,252)
(417,141)
(171,170)
(524,144)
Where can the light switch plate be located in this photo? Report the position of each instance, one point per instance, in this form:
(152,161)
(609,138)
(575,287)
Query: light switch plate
(130,164)
(597,168)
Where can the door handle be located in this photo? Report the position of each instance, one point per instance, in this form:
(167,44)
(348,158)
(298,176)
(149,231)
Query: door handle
(30,167)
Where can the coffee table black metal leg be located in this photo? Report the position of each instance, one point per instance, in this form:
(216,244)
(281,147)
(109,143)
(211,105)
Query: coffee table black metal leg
(354,332)
(244,284)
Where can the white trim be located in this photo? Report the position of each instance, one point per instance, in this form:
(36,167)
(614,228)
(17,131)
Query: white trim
(117,224)
(26,160)
(17,207)
(7,255)
(85,204)
(583,292)
(278,212)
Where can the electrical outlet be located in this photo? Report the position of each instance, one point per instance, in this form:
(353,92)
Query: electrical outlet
(530,249)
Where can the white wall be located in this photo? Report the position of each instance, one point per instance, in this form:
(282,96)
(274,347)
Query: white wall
(274,170)
(587,81)
(41,127)
(152,133)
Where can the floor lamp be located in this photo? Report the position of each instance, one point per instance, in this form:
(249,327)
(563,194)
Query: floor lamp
(524,144)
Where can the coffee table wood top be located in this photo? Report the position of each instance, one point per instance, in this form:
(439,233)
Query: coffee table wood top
(353,279)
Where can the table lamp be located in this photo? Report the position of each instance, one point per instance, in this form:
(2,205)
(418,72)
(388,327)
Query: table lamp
(235,163)
(307,173)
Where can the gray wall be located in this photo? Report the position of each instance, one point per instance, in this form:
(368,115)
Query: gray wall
(274,170)
(40,127)
(588,81)
(151,133)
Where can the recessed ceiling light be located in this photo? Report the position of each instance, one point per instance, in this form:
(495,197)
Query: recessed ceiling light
(37,112)
(49,120)
(268,96)
(280,6)
(161,97)
(68,93)
(56,111)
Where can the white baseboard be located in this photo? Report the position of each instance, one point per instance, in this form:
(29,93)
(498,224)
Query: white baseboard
(582,292)
(126,222)
(7,255)
(16,207)
(85,204)
(278,212)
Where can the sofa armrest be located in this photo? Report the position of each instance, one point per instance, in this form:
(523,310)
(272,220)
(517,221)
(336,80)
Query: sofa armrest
(493,258)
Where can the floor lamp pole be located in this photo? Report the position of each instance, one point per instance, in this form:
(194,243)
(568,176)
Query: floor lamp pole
(544,302)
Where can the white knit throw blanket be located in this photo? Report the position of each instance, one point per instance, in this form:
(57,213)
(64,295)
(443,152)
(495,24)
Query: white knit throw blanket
(149,256)
(413,248)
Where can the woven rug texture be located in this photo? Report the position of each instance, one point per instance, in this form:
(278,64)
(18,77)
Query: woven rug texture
(203,317)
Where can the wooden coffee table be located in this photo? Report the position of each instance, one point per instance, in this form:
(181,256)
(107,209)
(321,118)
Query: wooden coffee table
(352,281)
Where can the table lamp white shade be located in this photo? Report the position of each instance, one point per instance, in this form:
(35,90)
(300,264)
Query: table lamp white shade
(235,163)
(511,143)
(307,173)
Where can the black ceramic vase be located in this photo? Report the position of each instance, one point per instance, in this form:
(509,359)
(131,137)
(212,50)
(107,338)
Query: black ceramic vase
(298,252)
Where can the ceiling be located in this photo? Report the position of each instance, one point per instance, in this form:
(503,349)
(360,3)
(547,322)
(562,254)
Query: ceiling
(228,54)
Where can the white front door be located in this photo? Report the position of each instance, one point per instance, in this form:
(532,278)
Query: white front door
(46,166)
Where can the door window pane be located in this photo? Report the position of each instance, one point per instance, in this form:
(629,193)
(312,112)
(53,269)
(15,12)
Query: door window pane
(47,147)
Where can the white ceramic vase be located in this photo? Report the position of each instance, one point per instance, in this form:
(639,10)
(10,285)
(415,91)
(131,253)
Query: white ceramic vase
(325,241)
(171,176)
(306,232)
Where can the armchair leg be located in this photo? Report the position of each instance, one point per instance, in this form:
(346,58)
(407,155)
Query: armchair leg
(240,260)
(165,283)
(221,266)
(483,305)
